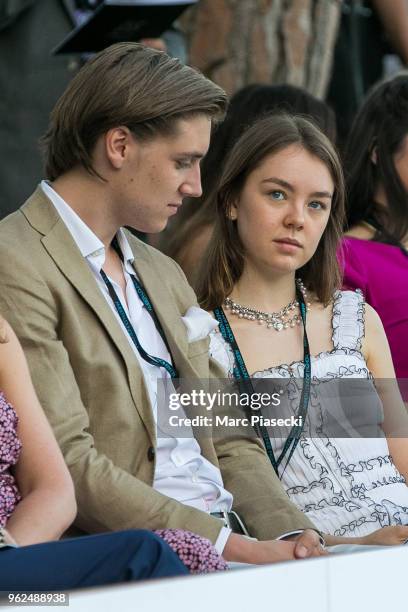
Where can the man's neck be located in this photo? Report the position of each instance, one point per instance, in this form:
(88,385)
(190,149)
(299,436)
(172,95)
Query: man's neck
(89,199)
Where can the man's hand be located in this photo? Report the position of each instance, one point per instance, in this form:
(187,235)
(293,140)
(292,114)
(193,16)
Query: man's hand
(242,550)
(307,544)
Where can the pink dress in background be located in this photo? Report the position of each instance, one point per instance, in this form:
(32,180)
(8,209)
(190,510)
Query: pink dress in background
(10,447)
(381,272)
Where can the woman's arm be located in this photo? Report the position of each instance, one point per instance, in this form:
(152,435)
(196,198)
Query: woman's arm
(48,503)
(378,356)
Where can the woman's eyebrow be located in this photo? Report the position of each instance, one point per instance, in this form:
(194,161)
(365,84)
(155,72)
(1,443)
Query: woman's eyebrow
(278,181)
(322,194)
(289,187)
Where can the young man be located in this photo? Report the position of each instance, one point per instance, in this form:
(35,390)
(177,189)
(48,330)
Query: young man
(123,149)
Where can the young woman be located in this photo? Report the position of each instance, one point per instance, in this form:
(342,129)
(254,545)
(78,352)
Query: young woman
(187,237)
(375,249)
(272,278)
(37,504)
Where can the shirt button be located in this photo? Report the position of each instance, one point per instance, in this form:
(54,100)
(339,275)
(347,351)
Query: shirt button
(151,453)
(194,478)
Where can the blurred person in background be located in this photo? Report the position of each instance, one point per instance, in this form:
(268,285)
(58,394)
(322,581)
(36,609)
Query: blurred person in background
(375,249)
(372,32)
(187,237)
(32,79)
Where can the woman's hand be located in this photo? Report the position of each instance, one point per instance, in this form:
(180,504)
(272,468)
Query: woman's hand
(387,536)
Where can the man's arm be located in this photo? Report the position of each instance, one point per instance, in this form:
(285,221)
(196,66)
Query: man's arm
(109,498)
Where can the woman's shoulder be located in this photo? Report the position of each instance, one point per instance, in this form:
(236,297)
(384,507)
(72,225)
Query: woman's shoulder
(361,231)
(348,319)
(344,302)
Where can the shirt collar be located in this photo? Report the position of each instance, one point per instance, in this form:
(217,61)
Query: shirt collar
(91,247)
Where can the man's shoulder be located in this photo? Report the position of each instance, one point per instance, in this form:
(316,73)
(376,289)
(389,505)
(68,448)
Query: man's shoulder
(35,217)
(15,233)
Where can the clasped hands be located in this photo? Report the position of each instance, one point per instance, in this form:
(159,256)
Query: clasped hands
(305,545)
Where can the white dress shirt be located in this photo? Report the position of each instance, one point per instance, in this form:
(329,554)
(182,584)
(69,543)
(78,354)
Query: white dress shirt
(181,471)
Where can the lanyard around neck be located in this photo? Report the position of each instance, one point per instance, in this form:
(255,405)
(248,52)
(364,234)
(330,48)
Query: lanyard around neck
(156,361)
(241,374)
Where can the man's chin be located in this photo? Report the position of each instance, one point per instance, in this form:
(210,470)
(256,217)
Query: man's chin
(153,228)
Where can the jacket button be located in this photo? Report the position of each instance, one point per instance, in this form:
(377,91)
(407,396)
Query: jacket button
(151,453)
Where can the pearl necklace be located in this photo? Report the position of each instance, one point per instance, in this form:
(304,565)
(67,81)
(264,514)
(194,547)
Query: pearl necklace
(283,319)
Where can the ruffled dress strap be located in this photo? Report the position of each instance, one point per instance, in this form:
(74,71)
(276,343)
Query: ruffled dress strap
(348,319)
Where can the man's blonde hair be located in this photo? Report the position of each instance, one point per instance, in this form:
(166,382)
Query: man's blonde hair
(130,85)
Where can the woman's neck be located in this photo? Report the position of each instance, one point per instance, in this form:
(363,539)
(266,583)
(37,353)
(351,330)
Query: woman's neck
(379,196)
(267,292)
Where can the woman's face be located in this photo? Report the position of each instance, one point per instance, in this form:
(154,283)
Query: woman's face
(283,209)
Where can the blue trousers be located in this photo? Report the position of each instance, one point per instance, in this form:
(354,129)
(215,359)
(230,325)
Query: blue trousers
(88,561)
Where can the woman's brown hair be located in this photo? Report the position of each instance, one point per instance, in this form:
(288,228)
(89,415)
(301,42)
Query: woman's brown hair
(223,263)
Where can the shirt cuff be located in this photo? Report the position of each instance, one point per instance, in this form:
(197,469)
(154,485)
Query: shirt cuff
(222,540)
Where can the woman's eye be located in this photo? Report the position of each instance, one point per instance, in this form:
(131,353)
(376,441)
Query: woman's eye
(277,195)
(317,205)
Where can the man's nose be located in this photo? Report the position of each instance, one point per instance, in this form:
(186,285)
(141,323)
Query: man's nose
(192,185)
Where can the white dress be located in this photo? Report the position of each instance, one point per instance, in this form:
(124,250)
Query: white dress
(346,486)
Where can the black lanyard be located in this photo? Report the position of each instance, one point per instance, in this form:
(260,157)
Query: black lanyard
(241,374)
(156,361)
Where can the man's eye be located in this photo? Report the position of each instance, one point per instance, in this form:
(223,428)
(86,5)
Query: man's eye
(183,163)
(277,195)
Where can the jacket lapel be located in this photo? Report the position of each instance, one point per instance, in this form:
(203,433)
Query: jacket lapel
(164,305)
(61,247)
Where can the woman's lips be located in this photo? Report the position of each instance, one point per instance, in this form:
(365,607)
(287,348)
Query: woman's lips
(288,245)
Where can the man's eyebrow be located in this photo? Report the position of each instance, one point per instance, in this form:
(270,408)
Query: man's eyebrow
(192,154)
(289,187)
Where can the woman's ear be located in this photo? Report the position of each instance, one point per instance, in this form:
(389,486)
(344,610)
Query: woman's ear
(232,212)
(373,156)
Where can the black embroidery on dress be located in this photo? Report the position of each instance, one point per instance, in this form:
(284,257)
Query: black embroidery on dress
(336,482)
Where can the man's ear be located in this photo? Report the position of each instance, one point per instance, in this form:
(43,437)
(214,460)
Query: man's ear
(118,141)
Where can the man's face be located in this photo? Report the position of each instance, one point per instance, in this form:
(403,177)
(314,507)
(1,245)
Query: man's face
(159,173)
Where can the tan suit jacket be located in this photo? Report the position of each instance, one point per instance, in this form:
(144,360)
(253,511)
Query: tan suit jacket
(92,389)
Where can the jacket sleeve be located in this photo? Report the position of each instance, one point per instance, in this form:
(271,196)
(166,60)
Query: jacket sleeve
(109,498)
